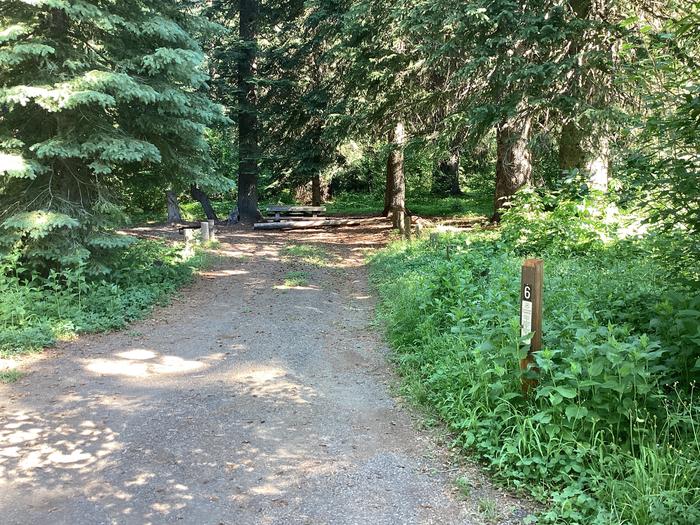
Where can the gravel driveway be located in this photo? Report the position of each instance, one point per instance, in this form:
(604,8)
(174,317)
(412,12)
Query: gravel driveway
(245,401)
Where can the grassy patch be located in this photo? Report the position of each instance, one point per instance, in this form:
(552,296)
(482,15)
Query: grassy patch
(35,312)
(296,279)
(611,433)
(470,205)
(488,509)
(10,376)
(307,253)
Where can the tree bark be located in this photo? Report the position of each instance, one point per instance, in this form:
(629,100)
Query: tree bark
(389,188)
(248,116)
(514,162)
(450,168)
(316,199)
(174,215)
(582,145)
(583,148)
(395,195)
(198,195)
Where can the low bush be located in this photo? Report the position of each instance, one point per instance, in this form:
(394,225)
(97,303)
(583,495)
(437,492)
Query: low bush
(35,310)
(611,432)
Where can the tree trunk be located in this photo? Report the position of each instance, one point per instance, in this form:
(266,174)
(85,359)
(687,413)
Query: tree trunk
(395,195)
(582,145)
(316,199)
(174,215)
(247,116)
(450,168)
(514,162)
(203,199)
(389,188)
(583,148)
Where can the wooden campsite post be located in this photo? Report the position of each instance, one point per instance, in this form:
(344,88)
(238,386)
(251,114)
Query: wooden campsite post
(407,226)
(531,312)
(205,232)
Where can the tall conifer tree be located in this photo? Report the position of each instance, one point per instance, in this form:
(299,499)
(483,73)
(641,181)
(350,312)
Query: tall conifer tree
(93,92)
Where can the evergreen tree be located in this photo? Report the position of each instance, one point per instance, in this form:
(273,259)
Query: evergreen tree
(94,93)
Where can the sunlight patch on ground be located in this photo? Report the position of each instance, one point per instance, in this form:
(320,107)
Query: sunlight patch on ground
(142,363)
(273,383)
(223,273)
(30,445)
(138,354)
(307,288)
(8,364)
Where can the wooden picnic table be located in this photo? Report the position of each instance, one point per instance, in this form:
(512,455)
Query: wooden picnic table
(291,211)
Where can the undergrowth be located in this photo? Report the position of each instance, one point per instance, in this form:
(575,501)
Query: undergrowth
(469,205)
(611,432)
(36,310)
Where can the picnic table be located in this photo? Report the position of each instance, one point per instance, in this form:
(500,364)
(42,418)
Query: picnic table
(295,212)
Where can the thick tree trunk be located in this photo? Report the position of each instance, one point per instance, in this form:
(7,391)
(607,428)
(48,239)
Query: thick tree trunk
(583,148)
(174,215)
(395,195)
(514,162)
(450,168)
(316,199)
(203,199)
(582,145)
(247,116)
(389,188)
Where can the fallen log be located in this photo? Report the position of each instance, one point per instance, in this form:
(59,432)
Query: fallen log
(302,225)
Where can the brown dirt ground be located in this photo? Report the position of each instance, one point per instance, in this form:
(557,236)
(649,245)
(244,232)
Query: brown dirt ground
(243,402)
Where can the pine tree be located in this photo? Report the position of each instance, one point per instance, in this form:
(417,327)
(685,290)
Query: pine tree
(94,93)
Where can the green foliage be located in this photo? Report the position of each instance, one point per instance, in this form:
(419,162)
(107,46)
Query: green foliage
(296,279)
(539,223)
(10,376)
(35,311)
(470,205)
(610,433)
(307,253)
(663,161)
(95,96)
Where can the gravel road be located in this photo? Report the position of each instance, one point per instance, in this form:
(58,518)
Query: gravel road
(243,402)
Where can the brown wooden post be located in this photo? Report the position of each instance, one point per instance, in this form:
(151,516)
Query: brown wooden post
(531,312)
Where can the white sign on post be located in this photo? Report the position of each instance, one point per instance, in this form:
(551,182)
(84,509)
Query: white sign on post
(526,319)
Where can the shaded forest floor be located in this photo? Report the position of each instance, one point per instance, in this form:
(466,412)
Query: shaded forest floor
(262,394)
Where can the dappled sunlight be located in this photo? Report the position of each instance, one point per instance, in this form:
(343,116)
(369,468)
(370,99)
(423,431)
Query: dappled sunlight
(8,364)
(138,354)
(297,288)
(273,383)
(142,363)
(223,273)
(31,444)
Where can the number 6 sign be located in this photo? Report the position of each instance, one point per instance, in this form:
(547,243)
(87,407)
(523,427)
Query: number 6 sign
(531,311)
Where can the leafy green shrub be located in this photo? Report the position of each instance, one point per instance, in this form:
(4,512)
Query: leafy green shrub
(539,223)
(36,310)
(610,433)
